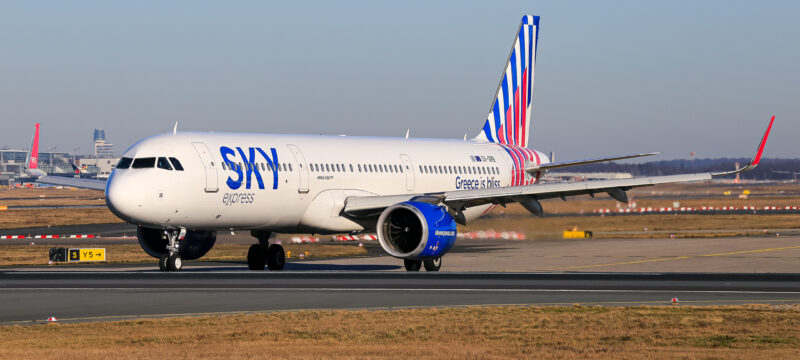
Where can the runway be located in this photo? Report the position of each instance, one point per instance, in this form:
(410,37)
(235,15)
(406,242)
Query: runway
(31,297)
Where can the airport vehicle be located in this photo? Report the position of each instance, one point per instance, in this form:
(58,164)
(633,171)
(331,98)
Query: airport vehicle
(180,188)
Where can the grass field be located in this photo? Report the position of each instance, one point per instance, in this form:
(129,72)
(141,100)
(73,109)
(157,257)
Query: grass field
(515,217)
(558,332)
(15,255)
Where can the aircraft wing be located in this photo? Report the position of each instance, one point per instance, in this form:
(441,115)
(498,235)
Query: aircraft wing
(73,182)
(365,206)
(528,196)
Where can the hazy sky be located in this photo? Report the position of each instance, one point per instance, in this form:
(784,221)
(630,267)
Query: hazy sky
(611,77)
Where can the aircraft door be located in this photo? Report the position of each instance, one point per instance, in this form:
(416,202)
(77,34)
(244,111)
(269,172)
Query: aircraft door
(303,168)
(208,165)
(409,170)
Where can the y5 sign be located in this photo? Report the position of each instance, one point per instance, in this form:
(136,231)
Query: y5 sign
(249,166)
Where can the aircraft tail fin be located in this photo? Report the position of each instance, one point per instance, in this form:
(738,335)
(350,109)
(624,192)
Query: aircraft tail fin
(509,117)
(32,162)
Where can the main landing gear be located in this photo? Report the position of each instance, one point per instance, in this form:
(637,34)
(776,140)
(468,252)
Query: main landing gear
(430,264)
(172,261)
(263,253)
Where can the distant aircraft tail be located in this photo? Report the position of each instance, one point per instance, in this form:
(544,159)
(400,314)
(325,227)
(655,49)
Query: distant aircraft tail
(509,117)
(32,162)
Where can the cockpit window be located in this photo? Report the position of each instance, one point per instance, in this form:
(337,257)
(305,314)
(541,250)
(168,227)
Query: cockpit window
(163,164)
(124,163)
(176,164)
(143,163)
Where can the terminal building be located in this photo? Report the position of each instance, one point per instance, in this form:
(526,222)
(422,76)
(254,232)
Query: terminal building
(97,165)
(12,162)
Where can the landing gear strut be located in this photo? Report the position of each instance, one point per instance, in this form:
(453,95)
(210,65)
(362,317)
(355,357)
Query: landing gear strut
(263,253)
(173,261)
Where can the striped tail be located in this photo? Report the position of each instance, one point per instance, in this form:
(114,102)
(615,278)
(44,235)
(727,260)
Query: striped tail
(509,118)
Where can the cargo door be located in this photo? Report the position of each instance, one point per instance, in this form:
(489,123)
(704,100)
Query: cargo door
(208,165)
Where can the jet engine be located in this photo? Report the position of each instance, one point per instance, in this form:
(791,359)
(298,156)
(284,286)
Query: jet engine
(193,246)
(416,230)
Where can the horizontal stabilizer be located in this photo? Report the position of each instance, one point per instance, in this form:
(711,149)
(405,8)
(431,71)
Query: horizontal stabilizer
(556,165)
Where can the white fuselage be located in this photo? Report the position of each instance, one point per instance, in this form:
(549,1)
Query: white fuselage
(293,183)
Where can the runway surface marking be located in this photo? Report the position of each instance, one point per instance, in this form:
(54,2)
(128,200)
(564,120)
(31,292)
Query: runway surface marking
(368,289)
(672,258)
(382,308)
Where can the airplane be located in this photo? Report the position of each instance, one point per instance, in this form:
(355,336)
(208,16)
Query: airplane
(181,188)
(32,162)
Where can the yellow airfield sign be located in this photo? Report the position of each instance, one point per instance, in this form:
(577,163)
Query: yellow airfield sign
(89,254)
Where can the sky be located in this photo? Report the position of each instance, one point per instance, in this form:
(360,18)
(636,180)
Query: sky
(613,77)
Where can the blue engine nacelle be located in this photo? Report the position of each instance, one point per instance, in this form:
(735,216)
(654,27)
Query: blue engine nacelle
(416,230)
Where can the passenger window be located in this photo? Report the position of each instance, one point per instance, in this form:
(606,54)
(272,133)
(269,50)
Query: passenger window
(290,167)
(370,167)
(163,164)
(124,163)
(284,166)
(359,167)
(351,168)
(144,163)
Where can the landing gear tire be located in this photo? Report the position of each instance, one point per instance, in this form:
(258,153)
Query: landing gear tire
(256,258)
(174,262)
(412,265)
(276,258)
(162,263)
(432,264)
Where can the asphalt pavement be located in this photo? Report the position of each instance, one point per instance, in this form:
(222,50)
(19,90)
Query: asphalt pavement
(32,297)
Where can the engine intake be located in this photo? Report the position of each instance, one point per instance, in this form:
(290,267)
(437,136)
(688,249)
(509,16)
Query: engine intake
(416,230)
(193,246)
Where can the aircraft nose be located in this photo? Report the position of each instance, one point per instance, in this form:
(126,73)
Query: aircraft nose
(123,196)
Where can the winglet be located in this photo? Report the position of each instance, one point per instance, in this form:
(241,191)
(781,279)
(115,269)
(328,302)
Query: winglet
(756,157)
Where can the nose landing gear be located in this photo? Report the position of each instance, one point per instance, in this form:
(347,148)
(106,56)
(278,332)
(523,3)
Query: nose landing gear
(173,261)
(263,253)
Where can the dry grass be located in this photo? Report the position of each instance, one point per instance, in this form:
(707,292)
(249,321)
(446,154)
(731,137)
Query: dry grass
(576,332)
(517,218)
(51,196)
(657,225)
(16,255)
(15,219)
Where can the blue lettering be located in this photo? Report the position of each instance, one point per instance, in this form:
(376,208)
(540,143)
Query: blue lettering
(273,164)
(225,152)
(250,167)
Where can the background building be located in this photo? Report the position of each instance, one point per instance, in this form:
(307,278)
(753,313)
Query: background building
(102,149)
